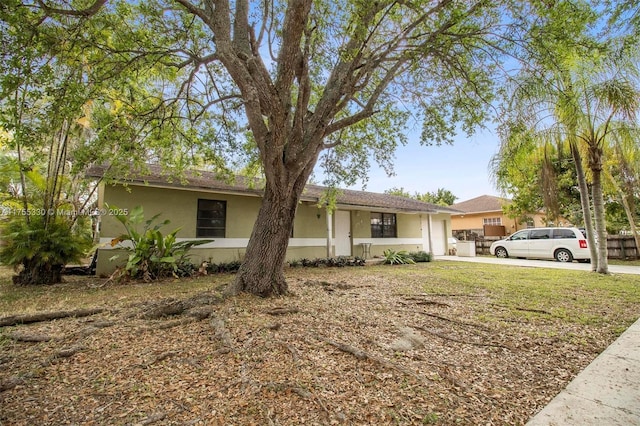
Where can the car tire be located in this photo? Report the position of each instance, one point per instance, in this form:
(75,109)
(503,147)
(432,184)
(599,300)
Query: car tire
(501,252)
(563,255)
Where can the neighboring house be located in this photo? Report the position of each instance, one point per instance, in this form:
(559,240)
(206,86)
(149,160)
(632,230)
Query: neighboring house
(205,207)
(483,217)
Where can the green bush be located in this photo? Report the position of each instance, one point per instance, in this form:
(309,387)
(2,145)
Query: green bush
(153,255)
(335,262)
(420,256)
(392,257)
(223,267)
(39,249)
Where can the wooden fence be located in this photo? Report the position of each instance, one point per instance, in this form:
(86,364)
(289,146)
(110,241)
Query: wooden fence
(618,247)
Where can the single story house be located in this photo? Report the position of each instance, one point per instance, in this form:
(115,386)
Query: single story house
(483,216)
(202,206)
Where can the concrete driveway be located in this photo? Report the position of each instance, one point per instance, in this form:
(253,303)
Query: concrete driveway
(614,269)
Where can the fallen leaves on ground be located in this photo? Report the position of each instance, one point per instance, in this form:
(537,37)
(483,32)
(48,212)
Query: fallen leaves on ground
(343,348)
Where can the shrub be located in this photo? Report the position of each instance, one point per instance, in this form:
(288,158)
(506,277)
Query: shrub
(336,262)
(224,267)
(392,257)
(420,256)
(151,254)
(39,249)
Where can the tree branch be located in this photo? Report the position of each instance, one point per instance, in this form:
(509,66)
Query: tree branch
(89,11)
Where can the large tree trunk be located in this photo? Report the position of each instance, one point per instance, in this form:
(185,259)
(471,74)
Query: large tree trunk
(601,228)
(595,165)
(586,206)
(262,271)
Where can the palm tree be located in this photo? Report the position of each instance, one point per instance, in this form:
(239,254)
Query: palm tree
(585,101)
(622,173)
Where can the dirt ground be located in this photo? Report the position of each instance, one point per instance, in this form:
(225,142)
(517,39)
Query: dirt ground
(345,348)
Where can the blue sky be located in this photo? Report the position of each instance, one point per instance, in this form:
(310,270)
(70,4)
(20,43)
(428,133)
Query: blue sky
(462,168)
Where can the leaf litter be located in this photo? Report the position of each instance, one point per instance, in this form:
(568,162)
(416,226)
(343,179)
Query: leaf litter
(343,348)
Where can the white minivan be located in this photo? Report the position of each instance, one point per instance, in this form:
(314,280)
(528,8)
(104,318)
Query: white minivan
(561,244)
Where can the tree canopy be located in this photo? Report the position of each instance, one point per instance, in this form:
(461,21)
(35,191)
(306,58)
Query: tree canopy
(274,86)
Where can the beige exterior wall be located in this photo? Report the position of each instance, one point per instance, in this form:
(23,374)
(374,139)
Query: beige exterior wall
(179,206)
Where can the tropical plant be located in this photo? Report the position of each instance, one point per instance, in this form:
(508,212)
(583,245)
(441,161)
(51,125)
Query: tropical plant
(420,256)
(392,257)
(39,249)
(153,255)
(579,95)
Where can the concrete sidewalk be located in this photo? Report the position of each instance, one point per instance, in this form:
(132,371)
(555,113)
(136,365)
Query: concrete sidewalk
(530,263)
(607,391)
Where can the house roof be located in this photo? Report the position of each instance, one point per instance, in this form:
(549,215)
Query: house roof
(208,181)
(481,204)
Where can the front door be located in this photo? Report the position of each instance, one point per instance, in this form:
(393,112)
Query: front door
(343,233)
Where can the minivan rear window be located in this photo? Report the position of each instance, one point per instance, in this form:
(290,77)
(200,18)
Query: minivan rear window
(563,233)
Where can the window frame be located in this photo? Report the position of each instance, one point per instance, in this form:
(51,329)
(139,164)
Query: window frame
(216,229)
(492,221)
(382,229)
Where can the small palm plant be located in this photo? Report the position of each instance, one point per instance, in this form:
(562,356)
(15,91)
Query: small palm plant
(392,257)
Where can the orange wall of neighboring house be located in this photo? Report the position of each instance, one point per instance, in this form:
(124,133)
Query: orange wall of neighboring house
(470,221)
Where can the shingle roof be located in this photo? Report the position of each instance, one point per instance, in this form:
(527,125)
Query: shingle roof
(481,204)
(208,181)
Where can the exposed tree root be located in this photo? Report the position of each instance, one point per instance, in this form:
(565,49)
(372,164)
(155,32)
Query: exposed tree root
(63,353)
(463,323)
(360,354)
(453,339)
(421,300)
(282,311)
(221,333)
(23,337)
(153,418)
(197,306)
(161,357)
(535,311)
(10,383)
(47,316)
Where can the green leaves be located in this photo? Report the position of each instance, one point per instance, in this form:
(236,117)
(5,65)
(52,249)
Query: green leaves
(402,257)
(153,255)
(39,249)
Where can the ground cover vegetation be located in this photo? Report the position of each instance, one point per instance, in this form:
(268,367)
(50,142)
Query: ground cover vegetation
(429,343)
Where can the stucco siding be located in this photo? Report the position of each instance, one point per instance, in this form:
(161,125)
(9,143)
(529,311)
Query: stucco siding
(310,221)
(180,207)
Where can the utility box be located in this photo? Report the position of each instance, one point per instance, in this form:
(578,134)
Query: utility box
(466,248)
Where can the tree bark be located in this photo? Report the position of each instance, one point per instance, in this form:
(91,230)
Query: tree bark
(595,164)
(586,205)
(262,272)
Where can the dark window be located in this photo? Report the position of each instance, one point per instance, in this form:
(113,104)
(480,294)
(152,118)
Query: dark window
(540,234)
(520,235)
(383,225)
(563,233)
(212,218)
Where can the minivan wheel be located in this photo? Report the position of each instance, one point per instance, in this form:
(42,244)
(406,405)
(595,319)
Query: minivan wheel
(563,255)
(501,252)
